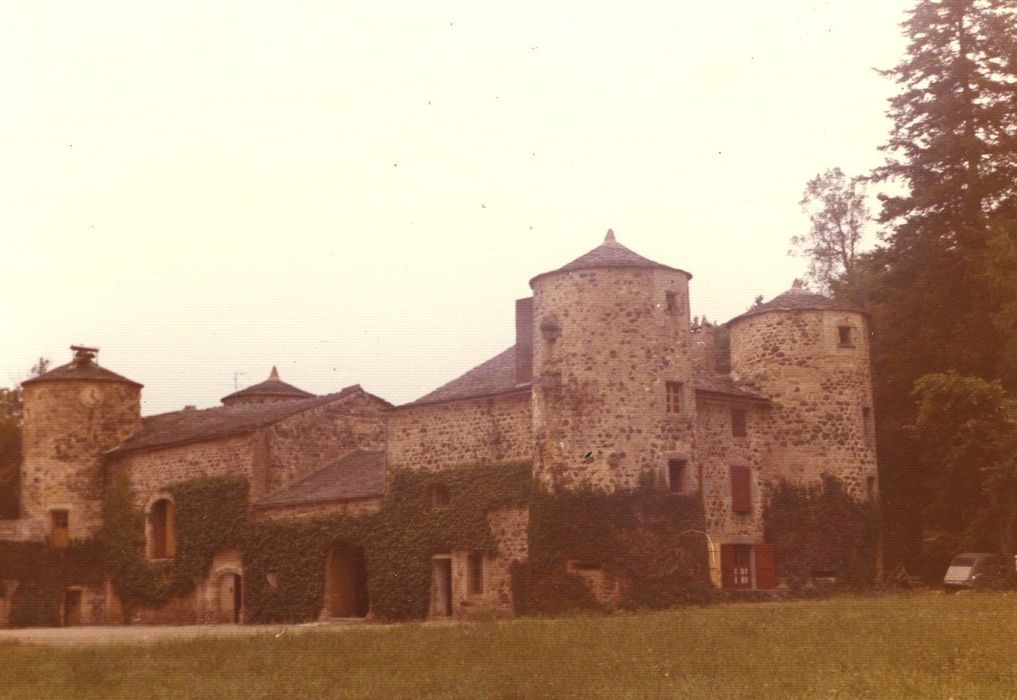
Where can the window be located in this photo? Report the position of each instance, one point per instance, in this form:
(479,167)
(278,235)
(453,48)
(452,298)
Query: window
(676,482)
(738,427)
(161,537)
(437,495)
(741,489)
(674,397)
(868,428)
(846,336)
(59,528)
(475,573)
(671,302)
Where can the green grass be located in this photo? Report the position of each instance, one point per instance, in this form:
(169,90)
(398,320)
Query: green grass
(925,645)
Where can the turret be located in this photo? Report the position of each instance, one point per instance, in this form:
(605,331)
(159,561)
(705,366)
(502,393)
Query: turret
(613,389)
(72,415)
(810,356)
(270,390)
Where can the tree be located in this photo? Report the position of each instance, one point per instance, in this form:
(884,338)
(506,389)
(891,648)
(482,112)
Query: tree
(10,444)
(838,214)
(967,428)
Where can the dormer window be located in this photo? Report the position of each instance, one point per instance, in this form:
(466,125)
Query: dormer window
(846,336)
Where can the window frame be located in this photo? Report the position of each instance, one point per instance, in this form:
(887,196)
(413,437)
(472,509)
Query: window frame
(674,398)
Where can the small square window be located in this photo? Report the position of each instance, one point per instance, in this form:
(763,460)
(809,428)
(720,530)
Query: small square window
(846,336)
(738,423)
(676,478)
(674,397)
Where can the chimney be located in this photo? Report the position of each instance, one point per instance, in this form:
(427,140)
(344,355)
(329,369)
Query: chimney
(524,340)
(704,348)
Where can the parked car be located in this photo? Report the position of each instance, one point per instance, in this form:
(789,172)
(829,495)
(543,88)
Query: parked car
(978,570)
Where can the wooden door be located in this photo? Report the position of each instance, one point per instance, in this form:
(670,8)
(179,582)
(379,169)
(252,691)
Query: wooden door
(72,608)
(346,582)
(230,597)
(441,587)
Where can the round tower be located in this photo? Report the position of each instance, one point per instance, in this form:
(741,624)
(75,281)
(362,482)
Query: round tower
(271,390)
(613,393)
(72,415)
(810,356)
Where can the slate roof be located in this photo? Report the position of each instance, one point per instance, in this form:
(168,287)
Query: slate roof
(795,299)
(80,370)
(725,386)
(610,253)
(496,376)
(187,426)
(271,387)
(360,474)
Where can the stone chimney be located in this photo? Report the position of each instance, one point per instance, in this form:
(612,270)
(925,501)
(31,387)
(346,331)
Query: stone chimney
(704,348)
(524,340)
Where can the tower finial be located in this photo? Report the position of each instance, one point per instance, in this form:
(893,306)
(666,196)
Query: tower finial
(274,375)
(609,238)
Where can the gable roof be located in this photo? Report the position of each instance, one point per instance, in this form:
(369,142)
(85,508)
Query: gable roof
(796,299)
(180,427)
(610,253)
(273,387)
(360,474)
(496,376)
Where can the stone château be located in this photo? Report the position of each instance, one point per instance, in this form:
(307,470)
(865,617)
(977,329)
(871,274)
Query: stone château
(609,386)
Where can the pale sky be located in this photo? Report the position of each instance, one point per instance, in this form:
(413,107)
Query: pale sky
(358,192)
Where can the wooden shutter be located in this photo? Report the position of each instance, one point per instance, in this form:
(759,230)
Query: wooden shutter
(766,569)
(741,489)
(727,566)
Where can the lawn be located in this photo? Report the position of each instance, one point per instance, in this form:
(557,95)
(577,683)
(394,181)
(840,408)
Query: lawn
(926,645)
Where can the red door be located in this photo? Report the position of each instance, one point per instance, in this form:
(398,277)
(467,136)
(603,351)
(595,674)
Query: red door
(766,569)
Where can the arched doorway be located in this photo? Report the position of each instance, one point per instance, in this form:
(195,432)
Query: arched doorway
(346,581)
(231,597)
(162,541)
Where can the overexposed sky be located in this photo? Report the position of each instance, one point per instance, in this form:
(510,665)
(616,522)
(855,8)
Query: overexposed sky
(358,192)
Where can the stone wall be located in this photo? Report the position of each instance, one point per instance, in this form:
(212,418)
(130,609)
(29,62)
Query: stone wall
(509,528)
(469,431)
(360,506)
(68,424)
(304,441)
(151,471)
(821,389)
(716,450)
(605,347)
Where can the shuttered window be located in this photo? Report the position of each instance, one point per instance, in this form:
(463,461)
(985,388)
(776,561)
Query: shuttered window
(766,569)
(741,489)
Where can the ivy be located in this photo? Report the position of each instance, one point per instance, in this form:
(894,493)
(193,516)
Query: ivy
(645,539)
(399,542)
(209,514)
(43,574)
(822,528)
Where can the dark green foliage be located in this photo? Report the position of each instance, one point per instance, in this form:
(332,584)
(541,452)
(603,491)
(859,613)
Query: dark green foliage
(43,574)
(399,542)
(821,528)
(10,452)
(210,514)
(644,539)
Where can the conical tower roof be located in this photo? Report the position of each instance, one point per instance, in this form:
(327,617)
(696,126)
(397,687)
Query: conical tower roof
(271,388)
(82,367)
(798,298)
(610,253)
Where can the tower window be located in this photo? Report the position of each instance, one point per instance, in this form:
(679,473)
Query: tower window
(741,489)
(674,397)
(475,573)
(846,336)
(671,301)
(738,425)
(59,528)
(676,478)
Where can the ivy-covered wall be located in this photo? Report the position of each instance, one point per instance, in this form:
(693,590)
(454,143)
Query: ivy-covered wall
(649,541)
(43,574)
(822,529)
